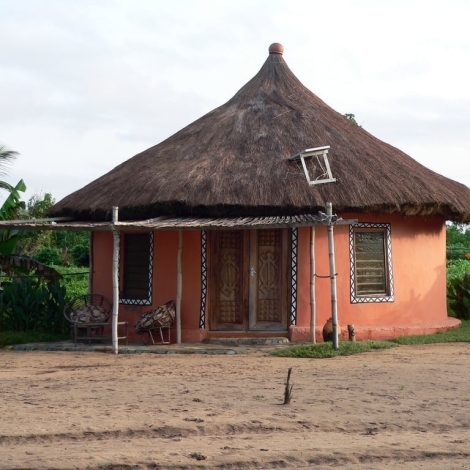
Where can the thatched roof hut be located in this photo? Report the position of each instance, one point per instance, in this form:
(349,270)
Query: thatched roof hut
(234,161)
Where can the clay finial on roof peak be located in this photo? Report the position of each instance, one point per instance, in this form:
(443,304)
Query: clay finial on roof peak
(276,48)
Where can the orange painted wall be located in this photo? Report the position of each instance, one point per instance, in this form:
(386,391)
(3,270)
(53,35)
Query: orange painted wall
(418,257)
(164,277)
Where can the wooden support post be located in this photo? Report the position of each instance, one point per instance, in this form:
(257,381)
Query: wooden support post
(116,234)
(179,286)
(331,251)
(312,286)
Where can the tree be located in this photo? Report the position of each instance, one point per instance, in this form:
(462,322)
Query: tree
(350,117)
(57,247)
(457,241)
(10,210)
(36,208)
(9,238)
(6,157)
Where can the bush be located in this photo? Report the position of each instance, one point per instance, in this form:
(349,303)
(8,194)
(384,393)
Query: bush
(49,256)
(458,295)
(75,280)
(457,268)
(81,255)
(33,305)
(457,251)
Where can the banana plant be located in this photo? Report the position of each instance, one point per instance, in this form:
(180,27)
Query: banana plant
(9,211)
(10,263)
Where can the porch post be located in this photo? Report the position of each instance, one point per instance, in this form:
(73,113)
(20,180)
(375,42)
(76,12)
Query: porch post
(115,282)
(331,251)
(312,285)
(179,287)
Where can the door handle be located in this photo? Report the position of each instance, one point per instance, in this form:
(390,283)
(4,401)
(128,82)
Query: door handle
(252,272)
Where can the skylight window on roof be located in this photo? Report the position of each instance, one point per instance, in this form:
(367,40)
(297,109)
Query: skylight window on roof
(317,173)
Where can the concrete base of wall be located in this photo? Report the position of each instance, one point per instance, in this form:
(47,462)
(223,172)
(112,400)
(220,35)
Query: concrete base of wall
(380,332)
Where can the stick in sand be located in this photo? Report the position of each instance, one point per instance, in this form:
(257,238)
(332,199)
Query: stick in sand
(288,390)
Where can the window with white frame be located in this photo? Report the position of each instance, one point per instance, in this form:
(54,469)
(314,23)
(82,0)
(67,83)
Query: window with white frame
(136,269)
(371,263)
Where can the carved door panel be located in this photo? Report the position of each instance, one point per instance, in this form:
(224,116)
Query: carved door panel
(249,280)
(228,286)
(268,280)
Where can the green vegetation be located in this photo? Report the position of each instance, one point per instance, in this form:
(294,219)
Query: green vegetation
(57,247)
(6,157)
(75,280)
(33,305)
(456,335)
(37,304)
(458,270)
(457,241)
(32,297)
(8,338)
(323,350)
(350,117)
(458,296)
(346,348)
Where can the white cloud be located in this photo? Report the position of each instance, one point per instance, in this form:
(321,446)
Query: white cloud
(86,85)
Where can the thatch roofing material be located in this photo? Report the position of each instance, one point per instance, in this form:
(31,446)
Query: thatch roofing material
(234,161)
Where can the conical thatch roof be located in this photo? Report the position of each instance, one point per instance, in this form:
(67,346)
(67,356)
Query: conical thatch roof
(234,161)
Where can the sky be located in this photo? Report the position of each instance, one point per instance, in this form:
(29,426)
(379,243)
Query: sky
(86,85)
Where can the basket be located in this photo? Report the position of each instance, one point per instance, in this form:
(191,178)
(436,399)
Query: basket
(88,308)
(162,316)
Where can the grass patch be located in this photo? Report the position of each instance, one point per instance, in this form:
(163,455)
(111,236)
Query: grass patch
(346,348)
(323,350)
(8,338)
(456,335)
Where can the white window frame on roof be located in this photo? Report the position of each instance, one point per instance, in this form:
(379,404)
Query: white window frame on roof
(326,176)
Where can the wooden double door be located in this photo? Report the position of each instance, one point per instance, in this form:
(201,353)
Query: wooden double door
(249,281)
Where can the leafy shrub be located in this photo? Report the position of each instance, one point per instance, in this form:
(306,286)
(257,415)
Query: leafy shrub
(457,268)
(457,251)
(81,255)
(49,256)
(75,280)
(458,295)
(33,305)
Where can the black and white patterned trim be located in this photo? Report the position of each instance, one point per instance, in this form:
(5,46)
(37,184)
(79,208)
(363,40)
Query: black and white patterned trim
(148,300)
(202,317)
(293,273)
(355,299)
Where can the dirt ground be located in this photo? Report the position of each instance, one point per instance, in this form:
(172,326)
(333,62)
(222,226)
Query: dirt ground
(407,408)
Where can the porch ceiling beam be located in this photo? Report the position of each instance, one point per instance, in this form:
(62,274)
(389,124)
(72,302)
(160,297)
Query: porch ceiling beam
(171,224)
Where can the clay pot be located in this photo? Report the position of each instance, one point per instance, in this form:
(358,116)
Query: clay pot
(328,330)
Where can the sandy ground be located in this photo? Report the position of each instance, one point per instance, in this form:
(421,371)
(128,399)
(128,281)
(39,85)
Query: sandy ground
(405,408)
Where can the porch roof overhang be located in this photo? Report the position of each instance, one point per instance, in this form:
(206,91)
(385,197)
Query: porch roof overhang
(179,223)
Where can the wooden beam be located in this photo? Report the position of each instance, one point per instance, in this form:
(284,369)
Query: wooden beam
(179,286)
(116,236)
(331,252)
(313,312)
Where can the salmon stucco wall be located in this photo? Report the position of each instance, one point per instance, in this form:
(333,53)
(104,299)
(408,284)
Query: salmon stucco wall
(419,274)
(164,279)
